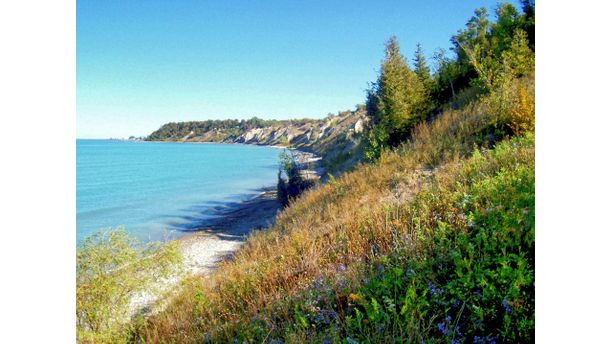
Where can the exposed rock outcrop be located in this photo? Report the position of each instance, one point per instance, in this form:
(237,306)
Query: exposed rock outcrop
(310,134)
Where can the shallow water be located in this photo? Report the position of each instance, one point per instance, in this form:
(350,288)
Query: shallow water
(155,190)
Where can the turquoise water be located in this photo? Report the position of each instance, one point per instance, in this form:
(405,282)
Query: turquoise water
(158,189)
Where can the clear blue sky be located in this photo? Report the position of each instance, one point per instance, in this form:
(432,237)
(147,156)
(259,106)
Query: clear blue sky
(141,64)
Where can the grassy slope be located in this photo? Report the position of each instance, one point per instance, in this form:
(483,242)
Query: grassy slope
(427,244)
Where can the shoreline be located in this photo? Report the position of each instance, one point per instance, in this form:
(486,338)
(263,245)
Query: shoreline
(206,246)
(301,150)
(216,238)
(305,154)
(228,228)
(220,236)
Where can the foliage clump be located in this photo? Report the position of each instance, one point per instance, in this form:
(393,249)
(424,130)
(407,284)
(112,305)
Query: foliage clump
(291,179)
(398,100)
(112,267)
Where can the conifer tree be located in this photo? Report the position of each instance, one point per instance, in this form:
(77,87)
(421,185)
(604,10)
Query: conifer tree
(396,100)
(502,32)
(422,71)
(420,65)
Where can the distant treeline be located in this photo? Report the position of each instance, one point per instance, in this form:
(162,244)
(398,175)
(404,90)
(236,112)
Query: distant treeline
(230,127)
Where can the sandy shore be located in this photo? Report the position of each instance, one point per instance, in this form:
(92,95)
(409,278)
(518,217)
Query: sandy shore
(224,234)
(218,238)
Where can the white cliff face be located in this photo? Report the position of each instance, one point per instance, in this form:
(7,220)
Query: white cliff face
(316,135)
(249,135)
(358,127)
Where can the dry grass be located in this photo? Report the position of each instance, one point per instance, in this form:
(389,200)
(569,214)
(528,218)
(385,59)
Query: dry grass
(346,223)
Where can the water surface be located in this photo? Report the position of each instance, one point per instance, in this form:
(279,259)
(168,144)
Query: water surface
(154,189)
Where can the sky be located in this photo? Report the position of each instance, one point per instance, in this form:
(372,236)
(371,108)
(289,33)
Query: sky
(141,64)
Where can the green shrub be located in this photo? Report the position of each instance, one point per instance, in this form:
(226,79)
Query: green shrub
(375,142)
(295,183)
(112,267)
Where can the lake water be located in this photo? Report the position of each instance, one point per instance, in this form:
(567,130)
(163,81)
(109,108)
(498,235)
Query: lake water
(158,189)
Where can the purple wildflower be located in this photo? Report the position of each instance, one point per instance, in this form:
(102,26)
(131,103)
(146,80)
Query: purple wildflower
(442,328)
(432,290)
(341,282)
(507,308)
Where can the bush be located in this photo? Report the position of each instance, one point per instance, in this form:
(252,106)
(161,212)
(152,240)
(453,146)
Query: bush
(284,141)
(375,142)
(295,183)
(522,115)
(112,267)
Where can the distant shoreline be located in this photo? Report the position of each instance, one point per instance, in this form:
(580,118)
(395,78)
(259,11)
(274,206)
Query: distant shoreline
(226,143)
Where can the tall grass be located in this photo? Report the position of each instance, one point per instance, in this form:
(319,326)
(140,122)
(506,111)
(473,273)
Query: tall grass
(365,256)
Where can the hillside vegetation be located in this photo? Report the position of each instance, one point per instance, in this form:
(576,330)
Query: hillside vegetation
(394,251)
(430,239)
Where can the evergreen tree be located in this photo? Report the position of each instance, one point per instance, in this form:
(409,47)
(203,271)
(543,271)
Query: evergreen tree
(495,50)
(502,32)
(423,73)
(420,65)
(528,21)
(397,100)
(475,34)
(519,57)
